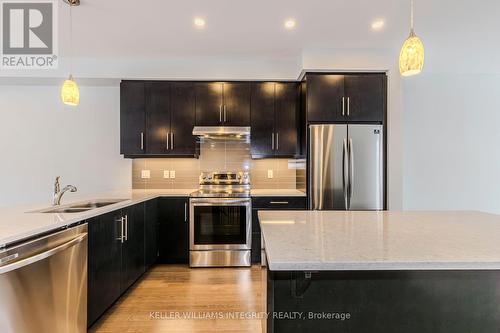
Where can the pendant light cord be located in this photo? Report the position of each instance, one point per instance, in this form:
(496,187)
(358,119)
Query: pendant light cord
(411,17)
(70,40)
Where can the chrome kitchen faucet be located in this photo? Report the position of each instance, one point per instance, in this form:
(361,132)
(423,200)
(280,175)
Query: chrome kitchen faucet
(58,193)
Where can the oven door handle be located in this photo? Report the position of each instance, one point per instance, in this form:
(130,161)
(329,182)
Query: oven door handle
(220,202)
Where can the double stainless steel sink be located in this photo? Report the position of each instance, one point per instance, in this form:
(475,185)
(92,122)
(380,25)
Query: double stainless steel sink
(81,207)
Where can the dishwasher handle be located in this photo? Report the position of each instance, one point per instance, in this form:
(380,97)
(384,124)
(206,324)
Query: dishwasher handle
(43,255)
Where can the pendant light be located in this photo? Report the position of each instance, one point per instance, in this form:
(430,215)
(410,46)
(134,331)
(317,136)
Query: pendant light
(70,94)
(411,58)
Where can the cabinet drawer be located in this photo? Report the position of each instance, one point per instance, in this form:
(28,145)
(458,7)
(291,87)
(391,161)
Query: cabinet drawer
(279,203)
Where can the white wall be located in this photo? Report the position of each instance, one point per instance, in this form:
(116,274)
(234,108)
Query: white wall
(40,139)
(452,142)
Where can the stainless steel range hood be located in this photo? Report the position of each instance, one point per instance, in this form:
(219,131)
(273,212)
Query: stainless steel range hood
(222,131)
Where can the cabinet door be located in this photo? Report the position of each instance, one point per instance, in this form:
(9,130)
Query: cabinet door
(236,104)
(182,106)
(133,246)
(287,119)
(151,233)
(174,230)
(157,117)
(104,264)
(367,97)
(262,119)
(324,98)
(132,118)
(208,103)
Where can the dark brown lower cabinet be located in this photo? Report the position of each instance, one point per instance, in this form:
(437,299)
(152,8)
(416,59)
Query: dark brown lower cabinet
(383,301)
(173,241)
(270,203)
(116,256)
(133,245)
(104,264)
(151,230)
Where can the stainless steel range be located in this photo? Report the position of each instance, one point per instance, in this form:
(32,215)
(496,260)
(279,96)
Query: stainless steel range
(221,220)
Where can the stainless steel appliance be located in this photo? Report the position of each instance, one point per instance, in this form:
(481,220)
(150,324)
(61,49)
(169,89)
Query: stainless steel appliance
(221,221)
(346,167)
(43,284)
(214,132)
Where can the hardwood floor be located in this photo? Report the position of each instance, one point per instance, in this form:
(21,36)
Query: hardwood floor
(167,294)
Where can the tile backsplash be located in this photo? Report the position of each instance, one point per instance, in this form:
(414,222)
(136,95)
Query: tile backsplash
(218,155)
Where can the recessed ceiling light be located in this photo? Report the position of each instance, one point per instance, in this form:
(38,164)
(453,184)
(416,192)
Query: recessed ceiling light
(290,24)
(199,22)
(378,24)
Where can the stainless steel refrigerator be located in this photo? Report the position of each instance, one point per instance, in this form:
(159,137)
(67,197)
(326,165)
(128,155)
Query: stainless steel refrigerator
(346,167)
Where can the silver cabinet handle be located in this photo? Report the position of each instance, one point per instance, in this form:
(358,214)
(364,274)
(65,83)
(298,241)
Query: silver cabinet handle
(343,106)
(225,110)
(277,141)
(172,141)
(168,144)
(126,227)
(351,169)
(185,212)
(348,106)
(272,140)
(40,256)
(142,140)
(122,221)
(220,113)
(279,202)
(345,172)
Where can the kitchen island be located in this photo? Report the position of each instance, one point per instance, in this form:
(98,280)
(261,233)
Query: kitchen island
(335,271)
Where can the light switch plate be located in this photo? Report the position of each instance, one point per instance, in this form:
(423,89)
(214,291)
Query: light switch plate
(270,174)
(166,174)
(172,174)
(145,174)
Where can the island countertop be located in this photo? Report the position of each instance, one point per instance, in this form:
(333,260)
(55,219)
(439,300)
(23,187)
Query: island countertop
(388,240)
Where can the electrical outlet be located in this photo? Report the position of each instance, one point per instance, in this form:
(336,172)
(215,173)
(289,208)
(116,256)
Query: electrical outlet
(172,174)
(166,174)
(270,174)
(145,174)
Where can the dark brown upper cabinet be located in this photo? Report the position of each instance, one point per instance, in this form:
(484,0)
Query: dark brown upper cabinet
(346,97)
(366,96)
(182,119)
(157,119)
(222,103)
(274,119)
(170,115)
(132,118)
(263,118)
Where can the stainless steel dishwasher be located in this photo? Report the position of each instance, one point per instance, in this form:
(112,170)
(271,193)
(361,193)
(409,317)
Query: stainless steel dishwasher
(43,284)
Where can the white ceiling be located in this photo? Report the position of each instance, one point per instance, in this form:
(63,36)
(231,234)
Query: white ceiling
(246,39)
(159,28)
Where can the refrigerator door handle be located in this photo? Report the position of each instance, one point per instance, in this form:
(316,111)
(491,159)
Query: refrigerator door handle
(345,172)
(351,170)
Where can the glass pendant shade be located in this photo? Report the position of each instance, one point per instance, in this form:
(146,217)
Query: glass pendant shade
(70,94)
(411,58)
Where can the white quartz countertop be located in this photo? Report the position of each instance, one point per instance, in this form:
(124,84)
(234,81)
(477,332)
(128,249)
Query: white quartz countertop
(390,240)
(19,222)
